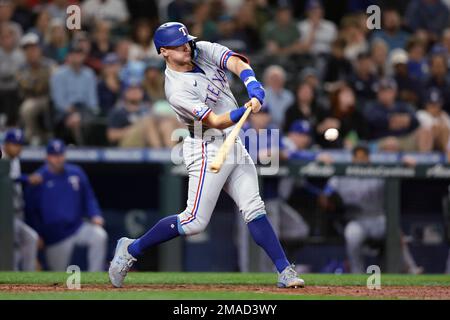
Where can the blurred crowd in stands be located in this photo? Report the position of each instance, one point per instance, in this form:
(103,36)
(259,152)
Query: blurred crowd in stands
(103,85)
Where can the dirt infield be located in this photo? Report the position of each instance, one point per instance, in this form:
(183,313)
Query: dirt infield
(399,292)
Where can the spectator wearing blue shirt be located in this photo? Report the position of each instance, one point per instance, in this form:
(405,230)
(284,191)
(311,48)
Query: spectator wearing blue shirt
(417,62)
(298,138)
(74,95)
(364,78)
(109,86)
(62,208)
(278,98)
(431,16)
(391,32)
(390,120)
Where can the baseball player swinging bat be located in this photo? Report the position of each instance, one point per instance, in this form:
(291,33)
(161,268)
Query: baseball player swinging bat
(223,151)
(197,88)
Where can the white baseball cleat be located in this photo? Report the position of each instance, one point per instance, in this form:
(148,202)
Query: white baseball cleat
(288,278)
(121,263)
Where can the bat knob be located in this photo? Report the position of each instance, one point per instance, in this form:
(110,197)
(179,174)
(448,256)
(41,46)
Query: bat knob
(214,168)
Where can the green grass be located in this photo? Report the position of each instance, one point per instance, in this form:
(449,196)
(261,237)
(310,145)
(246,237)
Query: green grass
(141,278)
(137,278)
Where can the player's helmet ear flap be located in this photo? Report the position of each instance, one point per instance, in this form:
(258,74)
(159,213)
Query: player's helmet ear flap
(171,34)
(193,46)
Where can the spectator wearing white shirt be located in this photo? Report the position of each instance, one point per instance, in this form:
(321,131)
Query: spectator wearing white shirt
(317,34)
(354,36)
(379,54)
(433,118)
(278,98)
(11,58)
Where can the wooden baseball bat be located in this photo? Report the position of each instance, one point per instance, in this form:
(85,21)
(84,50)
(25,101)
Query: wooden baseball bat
(229,141)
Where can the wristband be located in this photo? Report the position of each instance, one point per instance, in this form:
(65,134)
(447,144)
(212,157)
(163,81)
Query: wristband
(236,114)
(247,76)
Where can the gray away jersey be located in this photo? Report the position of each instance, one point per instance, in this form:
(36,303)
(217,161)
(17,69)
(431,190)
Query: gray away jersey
(192,95)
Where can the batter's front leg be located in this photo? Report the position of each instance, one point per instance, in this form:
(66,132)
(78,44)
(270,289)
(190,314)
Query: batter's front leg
(242,186)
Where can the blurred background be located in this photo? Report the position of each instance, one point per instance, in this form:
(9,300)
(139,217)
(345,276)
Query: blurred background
(340,94)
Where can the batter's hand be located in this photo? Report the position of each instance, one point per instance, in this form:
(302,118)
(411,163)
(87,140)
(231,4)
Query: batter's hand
(254,104)
(35,179)
(256,90)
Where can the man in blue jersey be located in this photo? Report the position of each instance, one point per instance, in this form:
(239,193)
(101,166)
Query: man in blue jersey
(62,208)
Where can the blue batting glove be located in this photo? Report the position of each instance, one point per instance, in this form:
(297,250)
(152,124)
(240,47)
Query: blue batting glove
(254,87)
(256,90)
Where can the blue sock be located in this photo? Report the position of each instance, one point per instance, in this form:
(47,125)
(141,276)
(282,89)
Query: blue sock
(263,234)
(163,231)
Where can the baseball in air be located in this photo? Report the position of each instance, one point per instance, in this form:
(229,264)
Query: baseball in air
(331,134)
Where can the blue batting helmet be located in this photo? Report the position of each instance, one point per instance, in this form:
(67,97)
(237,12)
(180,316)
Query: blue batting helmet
(171,34)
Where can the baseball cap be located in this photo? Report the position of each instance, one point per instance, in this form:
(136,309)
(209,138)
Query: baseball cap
(386,83)
(29,39)
(398,56)
(56,147)
(300,126)
(434,96)
(14,136)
